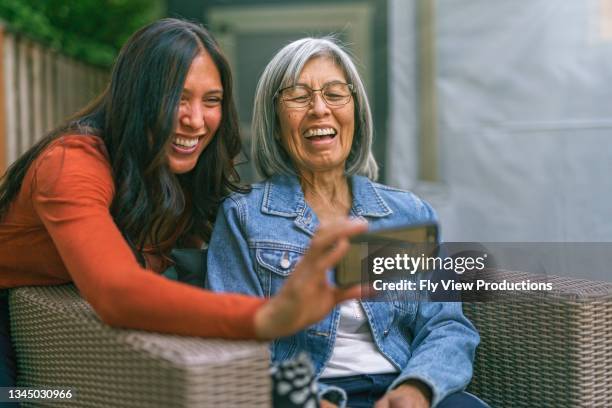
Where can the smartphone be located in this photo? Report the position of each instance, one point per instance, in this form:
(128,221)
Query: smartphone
(410,238)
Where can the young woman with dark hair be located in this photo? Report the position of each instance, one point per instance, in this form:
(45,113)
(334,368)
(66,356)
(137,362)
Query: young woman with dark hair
(102,199)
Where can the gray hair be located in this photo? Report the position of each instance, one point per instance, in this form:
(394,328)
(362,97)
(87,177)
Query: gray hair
(283,70)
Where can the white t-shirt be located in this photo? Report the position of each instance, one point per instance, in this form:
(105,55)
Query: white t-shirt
(355,351)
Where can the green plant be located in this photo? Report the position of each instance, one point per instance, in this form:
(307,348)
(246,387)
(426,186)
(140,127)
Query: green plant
(90,30)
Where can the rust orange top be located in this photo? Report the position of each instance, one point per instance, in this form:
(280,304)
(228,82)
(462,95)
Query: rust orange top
(59,229)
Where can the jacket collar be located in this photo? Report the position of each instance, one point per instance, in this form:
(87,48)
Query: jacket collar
(283,196)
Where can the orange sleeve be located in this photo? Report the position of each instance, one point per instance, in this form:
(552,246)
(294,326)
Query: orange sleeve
(72,193)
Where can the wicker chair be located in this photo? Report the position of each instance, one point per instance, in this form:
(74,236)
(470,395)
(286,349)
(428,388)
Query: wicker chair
(60,342)
(551,349)
(544,349)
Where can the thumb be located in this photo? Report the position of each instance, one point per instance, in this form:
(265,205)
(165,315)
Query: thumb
(383,402)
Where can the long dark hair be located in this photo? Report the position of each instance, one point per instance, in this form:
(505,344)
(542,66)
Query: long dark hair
(135,116)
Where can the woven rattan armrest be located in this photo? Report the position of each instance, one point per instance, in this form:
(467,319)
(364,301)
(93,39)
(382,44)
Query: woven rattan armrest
(59,341)
(547,348)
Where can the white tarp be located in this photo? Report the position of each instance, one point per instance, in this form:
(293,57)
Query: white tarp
(524,93)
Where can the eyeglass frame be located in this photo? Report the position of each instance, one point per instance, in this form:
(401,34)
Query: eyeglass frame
(351,88)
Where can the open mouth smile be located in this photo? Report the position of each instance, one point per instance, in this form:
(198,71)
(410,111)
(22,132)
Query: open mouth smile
(185,145)
(320,134)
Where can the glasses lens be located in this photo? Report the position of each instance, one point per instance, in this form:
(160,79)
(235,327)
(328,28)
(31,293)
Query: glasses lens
(296,96)
(337,93)
(334,94)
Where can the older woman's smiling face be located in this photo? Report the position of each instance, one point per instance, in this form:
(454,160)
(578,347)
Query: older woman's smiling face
(318,137)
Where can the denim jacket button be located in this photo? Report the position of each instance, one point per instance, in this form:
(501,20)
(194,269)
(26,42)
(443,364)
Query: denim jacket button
(285,263)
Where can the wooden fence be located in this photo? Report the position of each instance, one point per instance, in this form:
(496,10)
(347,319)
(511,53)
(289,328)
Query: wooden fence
(38,89)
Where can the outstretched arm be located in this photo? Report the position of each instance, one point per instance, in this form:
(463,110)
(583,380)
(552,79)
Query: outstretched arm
(72,191)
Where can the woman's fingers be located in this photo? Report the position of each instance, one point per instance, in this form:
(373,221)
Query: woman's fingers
(332,257)
(330,242)
(329,234)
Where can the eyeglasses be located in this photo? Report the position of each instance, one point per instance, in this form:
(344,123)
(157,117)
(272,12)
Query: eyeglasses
(334,94)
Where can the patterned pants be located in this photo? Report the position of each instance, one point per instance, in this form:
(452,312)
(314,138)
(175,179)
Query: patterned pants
(294,384)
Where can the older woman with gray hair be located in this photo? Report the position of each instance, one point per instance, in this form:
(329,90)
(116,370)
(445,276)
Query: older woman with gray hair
(312,139)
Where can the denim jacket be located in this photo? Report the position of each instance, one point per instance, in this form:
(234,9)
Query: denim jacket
(260,236)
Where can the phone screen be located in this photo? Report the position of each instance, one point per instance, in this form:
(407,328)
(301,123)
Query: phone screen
(350,270)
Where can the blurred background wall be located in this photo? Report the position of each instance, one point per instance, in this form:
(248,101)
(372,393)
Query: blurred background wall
(523,118)
(498,112)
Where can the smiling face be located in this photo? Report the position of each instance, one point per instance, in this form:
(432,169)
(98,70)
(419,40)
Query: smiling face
(199,114)
(316,137)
